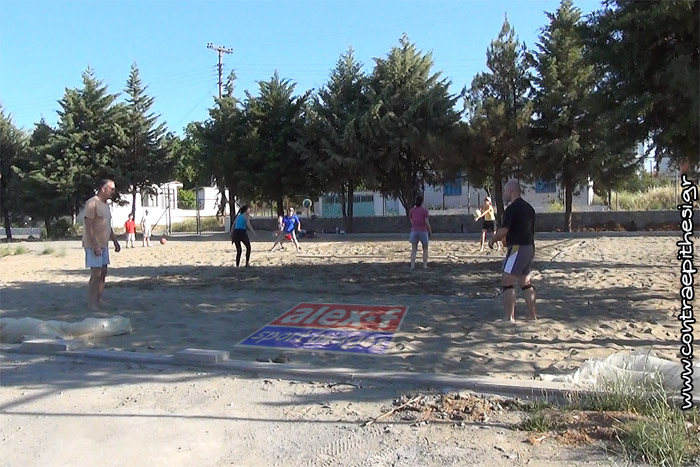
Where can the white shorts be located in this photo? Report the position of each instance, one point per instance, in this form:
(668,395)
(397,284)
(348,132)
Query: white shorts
(147,232)
(94,261)
(130,237)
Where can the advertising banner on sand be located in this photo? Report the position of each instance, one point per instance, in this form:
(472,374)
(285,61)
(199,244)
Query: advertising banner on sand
(331,327)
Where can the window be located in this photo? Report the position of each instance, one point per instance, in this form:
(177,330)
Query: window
(454,188)
(545,186)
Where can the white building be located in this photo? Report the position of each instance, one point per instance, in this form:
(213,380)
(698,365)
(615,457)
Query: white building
(452,197)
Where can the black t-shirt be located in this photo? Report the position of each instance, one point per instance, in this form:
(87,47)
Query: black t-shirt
(519,219)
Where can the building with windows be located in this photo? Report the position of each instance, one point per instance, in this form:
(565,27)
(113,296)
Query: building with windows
(453,197)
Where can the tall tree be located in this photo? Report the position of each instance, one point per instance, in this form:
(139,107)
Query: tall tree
(41,197)
(146,157)
(334,140)
(86,144)
(649,55)
(277,118)
(12,150)
(499,107)
(411,109)
(563,127)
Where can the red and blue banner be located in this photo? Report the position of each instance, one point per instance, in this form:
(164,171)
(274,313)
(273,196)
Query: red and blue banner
(330,327)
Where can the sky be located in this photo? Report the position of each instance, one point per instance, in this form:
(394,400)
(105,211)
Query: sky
(46,45)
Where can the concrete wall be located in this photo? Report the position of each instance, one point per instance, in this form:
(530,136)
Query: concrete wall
(546,222)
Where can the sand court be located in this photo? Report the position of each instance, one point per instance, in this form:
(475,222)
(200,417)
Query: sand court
(596,295)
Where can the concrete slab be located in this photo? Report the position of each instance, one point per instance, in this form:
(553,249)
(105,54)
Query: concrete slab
(200,356)
(41,346)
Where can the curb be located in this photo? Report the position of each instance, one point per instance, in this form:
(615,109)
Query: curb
(218,361)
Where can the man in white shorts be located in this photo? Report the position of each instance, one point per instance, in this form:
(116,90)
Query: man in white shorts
(96,236)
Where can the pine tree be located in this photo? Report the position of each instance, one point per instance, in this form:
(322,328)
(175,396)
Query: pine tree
(146,159)
(411,110)
(12,150)
(499,107)
(564,132)
(276,120)
(337,146)
(648,53)
(86,143)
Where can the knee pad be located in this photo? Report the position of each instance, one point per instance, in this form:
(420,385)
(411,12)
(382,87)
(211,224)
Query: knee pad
(528,286)
(506,287)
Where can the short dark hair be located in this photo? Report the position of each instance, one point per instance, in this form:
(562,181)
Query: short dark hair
(101,184)
(243,209)
(419,200)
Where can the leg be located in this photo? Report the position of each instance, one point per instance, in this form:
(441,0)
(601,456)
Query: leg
(246,242)
(101,289)
(509,296)
(278,240)
(529,294)
(424,242)
(294,239)
(483,240)
(239,250)
(94,288)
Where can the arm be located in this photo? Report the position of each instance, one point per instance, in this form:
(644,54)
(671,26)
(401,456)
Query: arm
(500,235)
(113,237)
(90,213)
(427,224)
(249,226)
(298,225)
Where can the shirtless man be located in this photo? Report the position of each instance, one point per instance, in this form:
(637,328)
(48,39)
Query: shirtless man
(519,231)
(98,232)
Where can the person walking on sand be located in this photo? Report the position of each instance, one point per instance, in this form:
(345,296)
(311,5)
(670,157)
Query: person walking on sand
(130,229)
(146,229)
(290,225)
(519,231)
(420,231)
(239,235)
(489,223)
(96,236)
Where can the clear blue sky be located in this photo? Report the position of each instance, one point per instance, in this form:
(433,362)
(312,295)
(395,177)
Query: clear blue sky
(45,45)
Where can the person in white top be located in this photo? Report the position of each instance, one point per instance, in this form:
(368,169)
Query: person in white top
(146,229)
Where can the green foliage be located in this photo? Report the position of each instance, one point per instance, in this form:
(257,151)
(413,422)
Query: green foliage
(276,119)
(208,224)
(649,56)
(146,156)
(10,251)
(333,142)
(499,108)
(13,146)
(186,199)
(48,251)
(411,116)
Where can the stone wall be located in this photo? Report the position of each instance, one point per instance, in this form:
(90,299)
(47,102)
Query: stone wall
(546,222)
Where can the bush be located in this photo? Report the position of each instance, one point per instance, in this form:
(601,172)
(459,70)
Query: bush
(59,229)
(186,199)
(207,224)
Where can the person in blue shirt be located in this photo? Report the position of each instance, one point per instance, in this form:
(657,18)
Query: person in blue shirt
(239,235)
(290,226)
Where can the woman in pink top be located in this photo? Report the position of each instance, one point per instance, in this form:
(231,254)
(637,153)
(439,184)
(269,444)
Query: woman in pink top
(420,231)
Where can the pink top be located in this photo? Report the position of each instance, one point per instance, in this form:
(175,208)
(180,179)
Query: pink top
(418,216)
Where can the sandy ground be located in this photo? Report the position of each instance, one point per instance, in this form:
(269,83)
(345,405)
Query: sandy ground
(597,294)
(82,413)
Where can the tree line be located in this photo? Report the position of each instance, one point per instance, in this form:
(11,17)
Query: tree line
(572,109)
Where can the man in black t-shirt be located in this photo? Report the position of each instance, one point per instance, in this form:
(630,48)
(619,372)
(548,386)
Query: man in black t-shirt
(519,231)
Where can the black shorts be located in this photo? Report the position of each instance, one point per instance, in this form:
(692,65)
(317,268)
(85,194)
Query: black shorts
(519,259)
(240,235)
(489,226)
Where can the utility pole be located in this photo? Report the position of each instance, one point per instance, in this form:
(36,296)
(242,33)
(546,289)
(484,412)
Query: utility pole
(221,51)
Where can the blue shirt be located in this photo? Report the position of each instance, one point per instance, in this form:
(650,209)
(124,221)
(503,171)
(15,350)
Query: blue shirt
(290,223)
(240,222)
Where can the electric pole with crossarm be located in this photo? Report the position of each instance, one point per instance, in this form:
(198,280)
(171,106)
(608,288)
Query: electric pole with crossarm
(221,51)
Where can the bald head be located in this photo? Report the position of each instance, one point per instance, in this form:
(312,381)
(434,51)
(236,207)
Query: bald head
(511,191)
